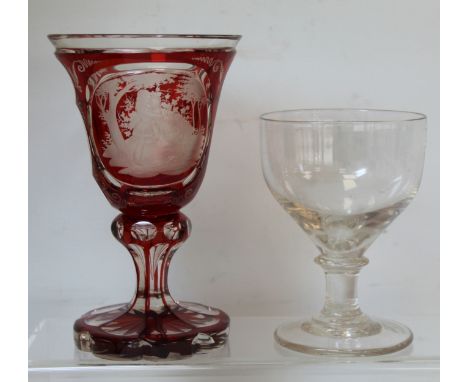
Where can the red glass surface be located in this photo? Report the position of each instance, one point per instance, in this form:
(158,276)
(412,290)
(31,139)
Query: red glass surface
(153,324)
(147,194)
(149,118)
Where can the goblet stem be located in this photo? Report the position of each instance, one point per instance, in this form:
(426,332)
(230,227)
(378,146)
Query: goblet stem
(341,328)
(341,293)
(341,314)
(153,324)
(152,242)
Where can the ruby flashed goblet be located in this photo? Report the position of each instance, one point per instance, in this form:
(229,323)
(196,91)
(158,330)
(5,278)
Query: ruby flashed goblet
(149,104)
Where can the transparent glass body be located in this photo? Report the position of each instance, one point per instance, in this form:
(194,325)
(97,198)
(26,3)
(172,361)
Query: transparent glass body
(343,176)
(149,103)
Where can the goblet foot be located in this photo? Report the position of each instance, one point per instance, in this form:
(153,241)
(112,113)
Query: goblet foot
(180,329)
(370,338)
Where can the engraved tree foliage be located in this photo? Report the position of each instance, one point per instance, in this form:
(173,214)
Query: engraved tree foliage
(107,105)
(193,93)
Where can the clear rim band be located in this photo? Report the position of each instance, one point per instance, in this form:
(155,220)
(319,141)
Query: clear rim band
(341,115)
(142,42)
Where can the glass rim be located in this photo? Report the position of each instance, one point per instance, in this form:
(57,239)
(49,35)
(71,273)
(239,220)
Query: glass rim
(142,43)
(59,36)
(410,116)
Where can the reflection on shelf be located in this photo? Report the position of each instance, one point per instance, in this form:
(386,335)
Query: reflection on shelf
(251,351)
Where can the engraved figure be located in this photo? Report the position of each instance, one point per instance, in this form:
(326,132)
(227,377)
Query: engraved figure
(160,139)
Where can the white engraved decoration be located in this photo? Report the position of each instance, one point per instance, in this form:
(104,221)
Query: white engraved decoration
(151,122)
(79,66)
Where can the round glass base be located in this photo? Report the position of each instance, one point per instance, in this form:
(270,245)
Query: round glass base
(391,337)
(176,330)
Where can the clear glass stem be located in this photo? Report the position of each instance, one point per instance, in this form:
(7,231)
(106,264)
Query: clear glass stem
(341,314)
(341,294)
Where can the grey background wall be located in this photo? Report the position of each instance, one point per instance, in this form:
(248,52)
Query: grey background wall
(245,254)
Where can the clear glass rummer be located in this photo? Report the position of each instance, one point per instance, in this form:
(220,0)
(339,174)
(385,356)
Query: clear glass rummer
(148,103)
(343,175)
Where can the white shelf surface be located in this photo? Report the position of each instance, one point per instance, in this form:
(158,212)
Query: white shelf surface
(250,353)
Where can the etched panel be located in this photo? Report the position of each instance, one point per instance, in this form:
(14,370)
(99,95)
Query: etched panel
(149,122)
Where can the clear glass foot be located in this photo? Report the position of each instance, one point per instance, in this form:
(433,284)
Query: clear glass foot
(308,336)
